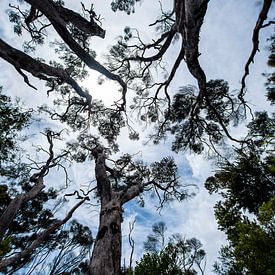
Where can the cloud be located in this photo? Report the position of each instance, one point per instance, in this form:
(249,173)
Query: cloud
(225,46)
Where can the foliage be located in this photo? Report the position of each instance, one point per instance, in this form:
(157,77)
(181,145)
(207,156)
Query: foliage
(12,120)
(270,84)
(66,251)
(33,216)
(155,241)
(198,118)
(251,249)
(247,185)
(196,129)
(178,256)
(124,5)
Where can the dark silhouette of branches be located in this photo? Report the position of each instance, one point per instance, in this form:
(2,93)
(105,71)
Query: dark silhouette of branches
(38,180)
(255,41)
(40,239)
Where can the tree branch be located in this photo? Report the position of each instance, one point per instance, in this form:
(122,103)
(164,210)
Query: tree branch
(160,53)
(22,61)
(103,183)
(38,178)
(40,239)
(255,40)
(48,8)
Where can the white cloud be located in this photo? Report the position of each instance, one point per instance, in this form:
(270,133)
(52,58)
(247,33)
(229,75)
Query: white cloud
(225,46)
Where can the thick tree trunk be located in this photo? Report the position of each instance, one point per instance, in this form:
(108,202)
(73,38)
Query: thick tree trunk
(107,248)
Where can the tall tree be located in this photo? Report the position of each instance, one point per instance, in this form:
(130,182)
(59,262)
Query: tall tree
(196,116)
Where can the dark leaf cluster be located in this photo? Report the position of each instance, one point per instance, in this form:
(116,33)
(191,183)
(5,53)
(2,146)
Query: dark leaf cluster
(127,6)
(194,123)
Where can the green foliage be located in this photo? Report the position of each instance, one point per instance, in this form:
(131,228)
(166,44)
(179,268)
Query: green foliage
(12,120)
(194,127)
(165,170)
(247,185)
(154,264)
(178,257)
(261,129)
(252,245)
(5,246)
(270,87)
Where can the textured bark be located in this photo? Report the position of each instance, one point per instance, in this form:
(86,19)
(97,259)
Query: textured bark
(106,255)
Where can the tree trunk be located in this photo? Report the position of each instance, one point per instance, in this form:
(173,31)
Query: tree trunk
(107,248)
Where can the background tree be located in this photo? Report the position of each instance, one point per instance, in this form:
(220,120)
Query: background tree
(246,185)
(177,256)
(22,211)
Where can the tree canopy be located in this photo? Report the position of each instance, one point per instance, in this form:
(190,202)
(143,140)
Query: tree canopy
(55,45)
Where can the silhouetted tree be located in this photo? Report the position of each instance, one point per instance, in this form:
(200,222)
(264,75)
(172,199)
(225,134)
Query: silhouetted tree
(178,256)
(196,116)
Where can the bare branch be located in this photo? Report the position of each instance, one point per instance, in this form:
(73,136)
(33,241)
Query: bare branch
(38,178)
(255,40)
(22,61)
(160,53)
(131,242)
(40,239)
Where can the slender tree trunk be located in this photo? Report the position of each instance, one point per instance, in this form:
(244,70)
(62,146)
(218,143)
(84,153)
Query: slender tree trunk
(107,248)
(39,240)
(10,212)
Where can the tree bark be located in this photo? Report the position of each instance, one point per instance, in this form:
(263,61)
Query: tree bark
(106,255)
(107,248)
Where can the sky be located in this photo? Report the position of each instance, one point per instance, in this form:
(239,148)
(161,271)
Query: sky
(225,45)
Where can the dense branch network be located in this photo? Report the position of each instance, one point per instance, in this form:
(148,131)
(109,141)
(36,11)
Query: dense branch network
(74,30)
(137,60)
(189,115)
(40,238)
(12,209)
